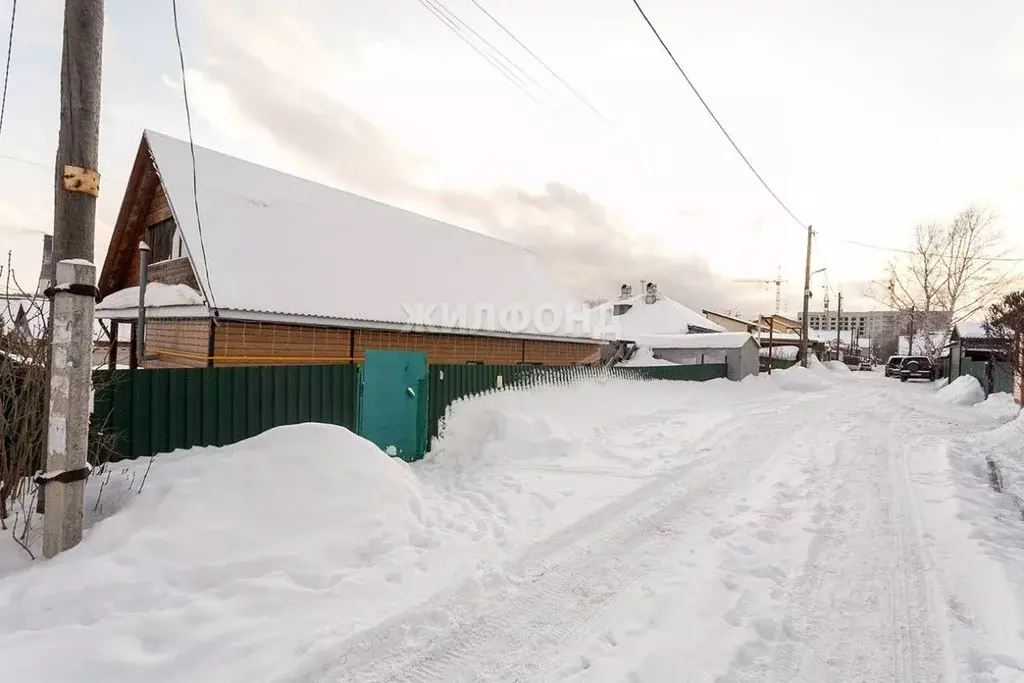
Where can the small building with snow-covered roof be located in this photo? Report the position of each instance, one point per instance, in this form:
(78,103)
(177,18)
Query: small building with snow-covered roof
(264,268)
(738,350)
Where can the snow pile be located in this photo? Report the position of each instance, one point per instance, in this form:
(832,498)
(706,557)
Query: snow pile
(798,378)
(241,550)
(644,358)
(941,383)
(157,294)
(965,390)
(837,366)
(999,407)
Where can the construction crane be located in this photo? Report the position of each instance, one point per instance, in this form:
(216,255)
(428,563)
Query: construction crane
(777,281)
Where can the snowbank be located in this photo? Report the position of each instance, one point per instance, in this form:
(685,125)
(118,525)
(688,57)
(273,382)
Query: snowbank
(963,391)
(999,407)
(798,378)
(157,294)
(644,358)
(219,562)
(941,383)
(836,366)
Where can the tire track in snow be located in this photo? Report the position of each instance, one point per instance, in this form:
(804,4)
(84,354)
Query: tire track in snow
(865,537)
(513,630)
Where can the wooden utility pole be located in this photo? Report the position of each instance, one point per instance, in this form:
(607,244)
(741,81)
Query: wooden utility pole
(805,327)
(78,180)
(71,313)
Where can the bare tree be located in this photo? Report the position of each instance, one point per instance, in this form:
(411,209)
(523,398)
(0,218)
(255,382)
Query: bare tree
(947,276)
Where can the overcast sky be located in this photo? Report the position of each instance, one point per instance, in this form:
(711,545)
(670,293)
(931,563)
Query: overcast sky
(865,117)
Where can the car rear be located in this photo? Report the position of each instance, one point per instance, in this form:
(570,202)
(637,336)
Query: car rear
(916,367)
(892,366)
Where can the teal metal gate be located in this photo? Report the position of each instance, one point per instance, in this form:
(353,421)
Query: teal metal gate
(393,402)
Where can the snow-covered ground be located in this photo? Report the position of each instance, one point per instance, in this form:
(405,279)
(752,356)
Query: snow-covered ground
(812,526)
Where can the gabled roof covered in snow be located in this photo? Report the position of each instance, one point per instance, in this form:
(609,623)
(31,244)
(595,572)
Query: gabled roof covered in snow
(286,249)
(970,331)
(664,316)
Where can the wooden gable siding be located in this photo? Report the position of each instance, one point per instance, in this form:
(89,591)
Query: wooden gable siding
(177,343)
(122,255)
(174,272)
(159,209)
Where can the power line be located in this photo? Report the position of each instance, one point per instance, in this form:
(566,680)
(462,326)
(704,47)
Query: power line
(7,67)
(715,118)
(26,161)
(192,149)
(511,63)
(544,64)
(491,59)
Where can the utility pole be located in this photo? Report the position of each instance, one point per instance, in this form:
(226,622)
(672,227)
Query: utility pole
(839,325)
(804,328)
(77,182)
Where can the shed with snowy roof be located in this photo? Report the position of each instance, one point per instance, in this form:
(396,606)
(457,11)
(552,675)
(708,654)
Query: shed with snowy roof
(260,267)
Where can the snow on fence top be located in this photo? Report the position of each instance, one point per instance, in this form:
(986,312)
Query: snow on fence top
(290,248)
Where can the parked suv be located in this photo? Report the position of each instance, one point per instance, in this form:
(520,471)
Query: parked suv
(892,366)
(916,367)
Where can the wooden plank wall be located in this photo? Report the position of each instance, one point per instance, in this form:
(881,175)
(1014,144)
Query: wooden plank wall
(166,338)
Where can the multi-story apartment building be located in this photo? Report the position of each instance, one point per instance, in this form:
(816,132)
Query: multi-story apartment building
(874,324)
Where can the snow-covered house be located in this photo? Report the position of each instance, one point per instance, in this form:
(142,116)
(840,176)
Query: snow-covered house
(973,348)
(268,268)
(652,313)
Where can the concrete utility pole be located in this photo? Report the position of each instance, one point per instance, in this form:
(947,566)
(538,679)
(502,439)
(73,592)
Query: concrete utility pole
(71,314)
(839,326)
(67,442)
(805,327)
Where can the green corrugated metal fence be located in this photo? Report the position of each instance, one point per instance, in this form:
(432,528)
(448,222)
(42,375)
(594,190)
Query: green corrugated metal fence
(156,411)
(1002,374)
(145,412)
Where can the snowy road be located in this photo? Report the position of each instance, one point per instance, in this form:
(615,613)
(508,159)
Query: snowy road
(790,546)
(813,527)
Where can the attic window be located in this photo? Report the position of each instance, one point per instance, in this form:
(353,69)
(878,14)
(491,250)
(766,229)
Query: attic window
(160,237)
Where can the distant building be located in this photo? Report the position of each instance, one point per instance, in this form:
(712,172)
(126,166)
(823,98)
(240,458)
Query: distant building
(874,324)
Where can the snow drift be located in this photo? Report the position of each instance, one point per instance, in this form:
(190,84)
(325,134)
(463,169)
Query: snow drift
(799,378)
(963,391)
(224,558)
(999,407)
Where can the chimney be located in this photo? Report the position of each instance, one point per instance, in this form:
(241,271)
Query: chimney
(46,269)
(651,295)
(626,291)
